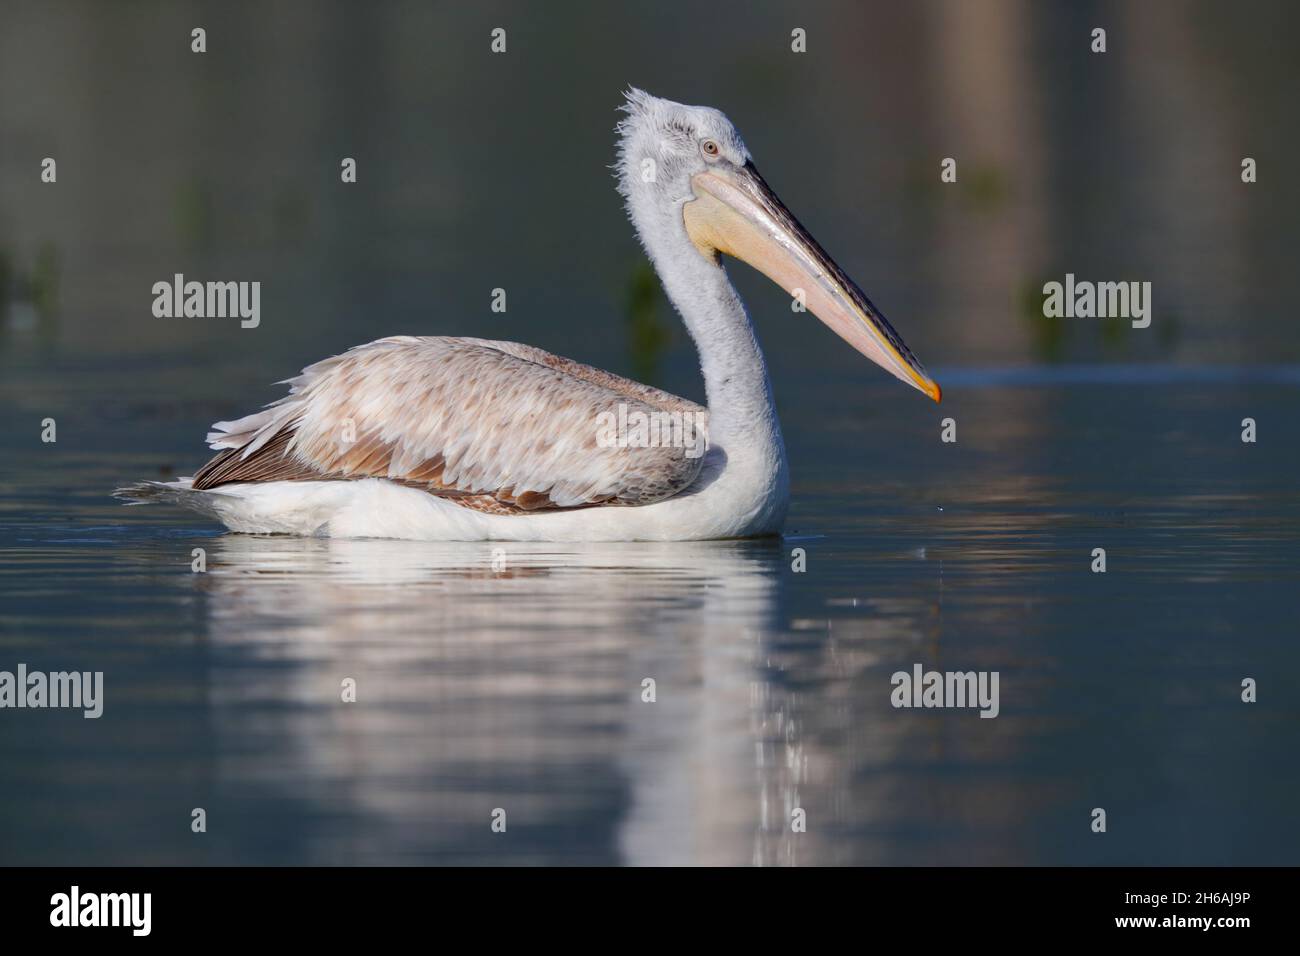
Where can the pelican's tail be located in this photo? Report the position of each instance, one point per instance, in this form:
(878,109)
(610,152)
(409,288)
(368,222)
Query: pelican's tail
(176,492)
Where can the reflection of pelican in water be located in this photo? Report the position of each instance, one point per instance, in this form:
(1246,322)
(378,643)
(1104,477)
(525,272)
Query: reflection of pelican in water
(467,439)
(510,679)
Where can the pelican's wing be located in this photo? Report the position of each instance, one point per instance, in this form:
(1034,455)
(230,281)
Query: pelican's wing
(494,425)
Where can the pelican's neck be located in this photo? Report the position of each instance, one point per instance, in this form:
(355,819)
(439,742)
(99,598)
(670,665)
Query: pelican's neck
(735,375)
(748,462)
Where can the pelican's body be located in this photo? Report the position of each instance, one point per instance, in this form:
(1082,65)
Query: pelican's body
(440,438)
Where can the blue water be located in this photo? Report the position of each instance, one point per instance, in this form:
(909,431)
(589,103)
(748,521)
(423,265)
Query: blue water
(520,687)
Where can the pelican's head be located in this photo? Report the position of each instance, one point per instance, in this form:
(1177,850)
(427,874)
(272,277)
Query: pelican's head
(686,168)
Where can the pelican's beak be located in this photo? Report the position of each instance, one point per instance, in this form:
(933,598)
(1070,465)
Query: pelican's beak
(735,212)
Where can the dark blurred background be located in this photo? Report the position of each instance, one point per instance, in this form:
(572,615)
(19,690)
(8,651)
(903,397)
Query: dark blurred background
(480,170)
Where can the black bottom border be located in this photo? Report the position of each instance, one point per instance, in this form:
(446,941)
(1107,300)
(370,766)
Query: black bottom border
(336,904)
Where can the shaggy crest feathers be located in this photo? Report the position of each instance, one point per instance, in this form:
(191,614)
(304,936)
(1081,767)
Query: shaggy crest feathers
(669,133)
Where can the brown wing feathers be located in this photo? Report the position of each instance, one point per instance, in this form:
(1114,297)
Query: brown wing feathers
(275,461)
(471,399)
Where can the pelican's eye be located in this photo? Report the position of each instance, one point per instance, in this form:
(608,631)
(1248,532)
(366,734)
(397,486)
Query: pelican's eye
(710,149)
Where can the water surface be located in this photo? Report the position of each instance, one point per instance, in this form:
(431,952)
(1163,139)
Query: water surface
(513,679)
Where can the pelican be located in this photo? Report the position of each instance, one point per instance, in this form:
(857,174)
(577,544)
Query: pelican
(438,438)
